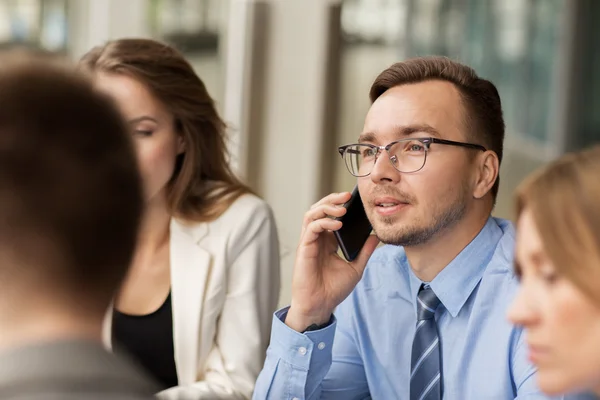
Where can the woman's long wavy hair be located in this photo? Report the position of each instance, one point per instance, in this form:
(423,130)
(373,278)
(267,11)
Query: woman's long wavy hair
(203,185)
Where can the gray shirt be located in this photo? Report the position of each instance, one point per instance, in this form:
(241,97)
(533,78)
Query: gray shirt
(70,370)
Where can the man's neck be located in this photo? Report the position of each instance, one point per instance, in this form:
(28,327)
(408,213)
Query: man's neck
(429,259)
(45,326)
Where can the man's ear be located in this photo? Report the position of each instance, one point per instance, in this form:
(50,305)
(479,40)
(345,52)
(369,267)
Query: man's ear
(488,168)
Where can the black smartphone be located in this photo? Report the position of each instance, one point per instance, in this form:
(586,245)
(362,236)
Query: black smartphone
(356,227)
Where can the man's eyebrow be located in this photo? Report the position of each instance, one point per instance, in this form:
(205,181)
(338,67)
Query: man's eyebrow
(366,137)
(403,130)
(408,130)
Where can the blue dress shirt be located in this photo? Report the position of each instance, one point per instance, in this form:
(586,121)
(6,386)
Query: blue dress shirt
(484,357)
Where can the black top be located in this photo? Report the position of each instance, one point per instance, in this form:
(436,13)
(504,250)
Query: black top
(148,339)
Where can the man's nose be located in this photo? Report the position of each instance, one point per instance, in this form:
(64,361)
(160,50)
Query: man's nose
(383,170)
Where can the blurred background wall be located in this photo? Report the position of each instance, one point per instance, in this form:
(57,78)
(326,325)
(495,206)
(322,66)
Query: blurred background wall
(291,77)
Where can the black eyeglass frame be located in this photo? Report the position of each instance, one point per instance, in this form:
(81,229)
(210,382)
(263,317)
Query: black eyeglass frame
(426,143)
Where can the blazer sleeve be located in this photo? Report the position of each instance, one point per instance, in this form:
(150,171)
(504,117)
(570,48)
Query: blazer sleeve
(243,328)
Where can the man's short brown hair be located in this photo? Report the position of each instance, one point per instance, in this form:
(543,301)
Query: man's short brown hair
(483,109)
(70,192)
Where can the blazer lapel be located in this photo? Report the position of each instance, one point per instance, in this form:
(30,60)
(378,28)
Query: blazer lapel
(107,327)
(190,265)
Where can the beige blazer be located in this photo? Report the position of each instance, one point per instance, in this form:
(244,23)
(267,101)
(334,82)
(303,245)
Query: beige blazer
(225,287)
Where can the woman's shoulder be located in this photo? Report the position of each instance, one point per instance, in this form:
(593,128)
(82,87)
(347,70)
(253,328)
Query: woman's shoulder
(247,206)
(246,211)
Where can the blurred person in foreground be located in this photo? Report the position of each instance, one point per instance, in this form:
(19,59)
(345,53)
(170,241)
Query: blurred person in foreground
(195,308)
(70,203)
(558,261)
(423,317)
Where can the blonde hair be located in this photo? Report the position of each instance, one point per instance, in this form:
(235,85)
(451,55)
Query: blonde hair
(564,200)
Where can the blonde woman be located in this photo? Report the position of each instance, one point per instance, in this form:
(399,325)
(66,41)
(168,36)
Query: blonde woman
(558,260)
(195,308)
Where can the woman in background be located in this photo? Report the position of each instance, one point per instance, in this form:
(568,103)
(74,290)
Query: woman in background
(195,309)
(558,260)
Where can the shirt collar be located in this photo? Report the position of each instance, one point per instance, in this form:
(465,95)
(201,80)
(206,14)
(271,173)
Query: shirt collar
(455,283)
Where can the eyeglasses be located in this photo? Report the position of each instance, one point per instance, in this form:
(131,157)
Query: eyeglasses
(406,155)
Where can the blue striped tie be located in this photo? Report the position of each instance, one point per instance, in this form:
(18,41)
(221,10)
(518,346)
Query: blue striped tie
(425,371)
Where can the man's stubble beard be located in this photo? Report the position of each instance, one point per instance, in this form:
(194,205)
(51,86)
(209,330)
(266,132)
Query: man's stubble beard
(442,219)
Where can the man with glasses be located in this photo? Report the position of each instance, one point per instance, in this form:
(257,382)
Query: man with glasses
(423,317)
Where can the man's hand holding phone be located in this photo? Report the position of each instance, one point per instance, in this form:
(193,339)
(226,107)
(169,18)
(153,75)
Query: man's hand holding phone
(321,278)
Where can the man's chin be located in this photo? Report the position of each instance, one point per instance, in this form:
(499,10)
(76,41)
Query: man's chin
(401,237)
(387,235)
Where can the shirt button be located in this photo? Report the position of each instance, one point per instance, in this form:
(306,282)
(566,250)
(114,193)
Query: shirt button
(302,351)
(321,346)
(295,398)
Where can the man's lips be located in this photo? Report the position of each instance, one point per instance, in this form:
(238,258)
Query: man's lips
(388,201)
(387,205)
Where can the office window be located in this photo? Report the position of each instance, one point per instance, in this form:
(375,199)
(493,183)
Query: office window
(514,43)
(197,28)
(34,23)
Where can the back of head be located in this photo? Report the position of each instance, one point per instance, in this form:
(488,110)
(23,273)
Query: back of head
(70,196)
(171,78)
(483,109)
(563,199)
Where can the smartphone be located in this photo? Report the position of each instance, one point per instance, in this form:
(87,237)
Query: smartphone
(356,228)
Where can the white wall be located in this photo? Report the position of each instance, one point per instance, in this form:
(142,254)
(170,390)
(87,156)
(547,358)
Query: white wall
(281,118)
